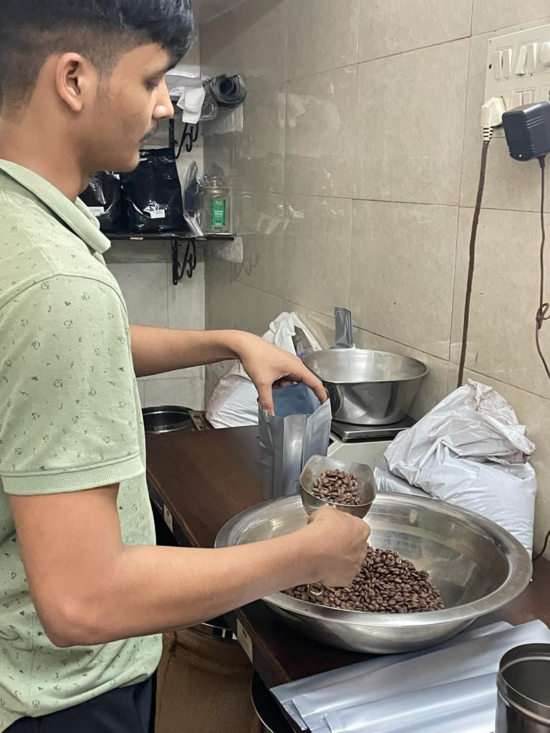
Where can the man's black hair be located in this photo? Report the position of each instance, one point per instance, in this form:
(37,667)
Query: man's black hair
(101,30)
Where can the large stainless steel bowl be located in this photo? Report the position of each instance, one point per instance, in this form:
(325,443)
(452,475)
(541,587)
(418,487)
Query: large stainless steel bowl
(478,567)
(368,387)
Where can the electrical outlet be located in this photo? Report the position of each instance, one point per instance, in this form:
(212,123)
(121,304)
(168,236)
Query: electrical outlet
(518,67)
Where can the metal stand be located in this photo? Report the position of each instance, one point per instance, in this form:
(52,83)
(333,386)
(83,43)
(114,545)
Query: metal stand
(189,137)
(189,261)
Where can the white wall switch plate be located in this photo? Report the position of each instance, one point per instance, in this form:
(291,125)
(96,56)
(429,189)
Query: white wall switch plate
(518,67)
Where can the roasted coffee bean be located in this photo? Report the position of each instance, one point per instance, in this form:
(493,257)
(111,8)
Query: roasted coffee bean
(338,487)
(386,583)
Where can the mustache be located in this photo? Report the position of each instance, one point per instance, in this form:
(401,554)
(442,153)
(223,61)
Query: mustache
(151,133)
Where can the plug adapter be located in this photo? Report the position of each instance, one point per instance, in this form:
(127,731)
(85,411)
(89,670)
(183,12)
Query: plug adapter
(527,131)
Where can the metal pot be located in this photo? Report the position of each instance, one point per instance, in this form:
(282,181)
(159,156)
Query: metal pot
(368,387)
(267,709)
(167,419)
(524,690)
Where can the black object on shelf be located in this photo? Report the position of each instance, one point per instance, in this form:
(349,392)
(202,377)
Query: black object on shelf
(104,199)
(152,194)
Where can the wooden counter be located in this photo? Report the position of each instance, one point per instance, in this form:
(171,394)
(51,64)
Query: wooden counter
(200,480)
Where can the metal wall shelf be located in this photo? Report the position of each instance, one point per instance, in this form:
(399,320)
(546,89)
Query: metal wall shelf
(167,236)
(189,264)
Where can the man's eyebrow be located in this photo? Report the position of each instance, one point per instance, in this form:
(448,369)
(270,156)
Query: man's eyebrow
(165,69)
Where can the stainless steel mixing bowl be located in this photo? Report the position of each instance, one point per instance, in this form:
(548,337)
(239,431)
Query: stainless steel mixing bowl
(367,387)
(478,567)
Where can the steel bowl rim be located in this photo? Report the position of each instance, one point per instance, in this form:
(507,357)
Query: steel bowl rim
(368,381)
(517,580)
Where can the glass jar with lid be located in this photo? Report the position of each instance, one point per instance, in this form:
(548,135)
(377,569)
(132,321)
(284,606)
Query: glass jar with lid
(216,213)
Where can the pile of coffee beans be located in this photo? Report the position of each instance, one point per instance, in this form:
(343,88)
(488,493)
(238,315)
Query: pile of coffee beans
(387,583)
(337,486)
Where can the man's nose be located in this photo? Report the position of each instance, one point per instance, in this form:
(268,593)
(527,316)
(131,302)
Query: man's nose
(164,108)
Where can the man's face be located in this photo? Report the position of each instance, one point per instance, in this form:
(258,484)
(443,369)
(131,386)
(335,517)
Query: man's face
(127,109)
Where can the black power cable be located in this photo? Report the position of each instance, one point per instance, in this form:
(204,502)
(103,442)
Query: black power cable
(542,313)
(541,553)
(471,266)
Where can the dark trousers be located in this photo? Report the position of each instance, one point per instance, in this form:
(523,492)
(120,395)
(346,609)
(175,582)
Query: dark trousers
(125,710)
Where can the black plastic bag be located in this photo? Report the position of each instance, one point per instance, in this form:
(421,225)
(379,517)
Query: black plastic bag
(152,194)
(104,199)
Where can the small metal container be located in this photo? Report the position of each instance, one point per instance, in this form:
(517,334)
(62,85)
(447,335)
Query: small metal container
(267,709)
(318,465)
(167,419)
(524,690)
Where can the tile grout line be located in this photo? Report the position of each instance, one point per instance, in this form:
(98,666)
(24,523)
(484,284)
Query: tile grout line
(326,315)
(465,127)
(506,29)
(359,25)
(506,384)
(382,201)
(458,39)
(450,364)
(359,62)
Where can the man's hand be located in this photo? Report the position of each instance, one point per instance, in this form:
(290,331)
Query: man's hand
(270,367)
(160,350)
(342,539)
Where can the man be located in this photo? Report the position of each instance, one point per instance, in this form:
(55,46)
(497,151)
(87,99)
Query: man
(84,594)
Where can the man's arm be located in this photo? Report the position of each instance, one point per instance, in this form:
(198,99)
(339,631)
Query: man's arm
(89,588)
(159,350)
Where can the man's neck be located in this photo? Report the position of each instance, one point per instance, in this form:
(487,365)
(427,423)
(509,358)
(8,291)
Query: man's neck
(47,158)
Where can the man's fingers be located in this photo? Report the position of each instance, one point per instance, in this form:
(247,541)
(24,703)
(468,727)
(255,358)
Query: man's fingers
(313,382)
(265,398)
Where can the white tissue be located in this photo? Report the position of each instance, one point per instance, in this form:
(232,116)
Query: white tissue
(191,93)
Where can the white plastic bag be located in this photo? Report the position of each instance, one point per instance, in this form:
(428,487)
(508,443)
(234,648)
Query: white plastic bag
(471,451)
(234,403)
(386,481)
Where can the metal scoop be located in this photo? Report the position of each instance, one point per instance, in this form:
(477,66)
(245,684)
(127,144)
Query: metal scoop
(366,490)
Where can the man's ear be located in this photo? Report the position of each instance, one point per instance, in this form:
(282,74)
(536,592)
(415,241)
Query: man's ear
(75,80)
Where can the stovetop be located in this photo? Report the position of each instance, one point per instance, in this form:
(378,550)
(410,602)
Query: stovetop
(349,433)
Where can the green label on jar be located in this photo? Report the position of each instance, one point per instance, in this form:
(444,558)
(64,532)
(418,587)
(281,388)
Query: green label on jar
(219,212)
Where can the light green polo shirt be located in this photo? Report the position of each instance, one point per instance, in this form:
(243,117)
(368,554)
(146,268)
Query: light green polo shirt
(70,420)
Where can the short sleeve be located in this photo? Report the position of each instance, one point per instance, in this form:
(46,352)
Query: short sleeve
(69,419)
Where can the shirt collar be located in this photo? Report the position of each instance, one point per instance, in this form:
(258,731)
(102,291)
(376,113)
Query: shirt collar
(74,214)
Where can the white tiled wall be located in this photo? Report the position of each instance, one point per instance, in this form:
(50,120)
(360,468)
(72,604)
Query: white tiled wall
(144,272)
(354,181)
(153,300)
